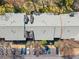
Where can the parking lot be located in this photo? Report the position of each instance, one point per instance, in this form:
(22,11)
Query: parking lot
(34,57)
(47,56)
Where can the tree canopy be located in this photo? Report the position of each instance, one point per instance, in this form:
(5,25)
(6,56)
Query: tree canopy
(42,6)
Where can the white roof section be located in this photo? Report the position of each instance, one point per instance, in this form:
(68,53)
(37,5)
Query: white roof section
(55,20)
(70,21)
(12,26)
(45,20)
(70,26)
(49,33)
(12,33)
(71,32)
(68,32)
(45,26)
(12,19)
(42,33)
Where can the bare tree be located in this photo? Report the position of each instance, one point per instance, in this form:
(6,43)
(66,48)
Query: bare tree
(2,2)
(34,1)
(76,5)
(16,7)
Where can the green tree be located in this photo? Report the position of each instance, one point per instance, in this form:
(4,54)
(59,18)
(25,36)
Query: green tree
(2,10)
(2,6)
(43,42)
(9,8)
(2,2)
(66,4)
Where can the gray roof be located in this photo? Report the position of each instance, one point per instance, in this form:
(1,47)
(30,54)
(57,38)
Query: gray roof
(12,26)
(45,26)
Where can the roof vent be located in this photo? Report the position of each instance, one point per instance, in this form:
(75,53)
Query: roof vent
(71,14)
